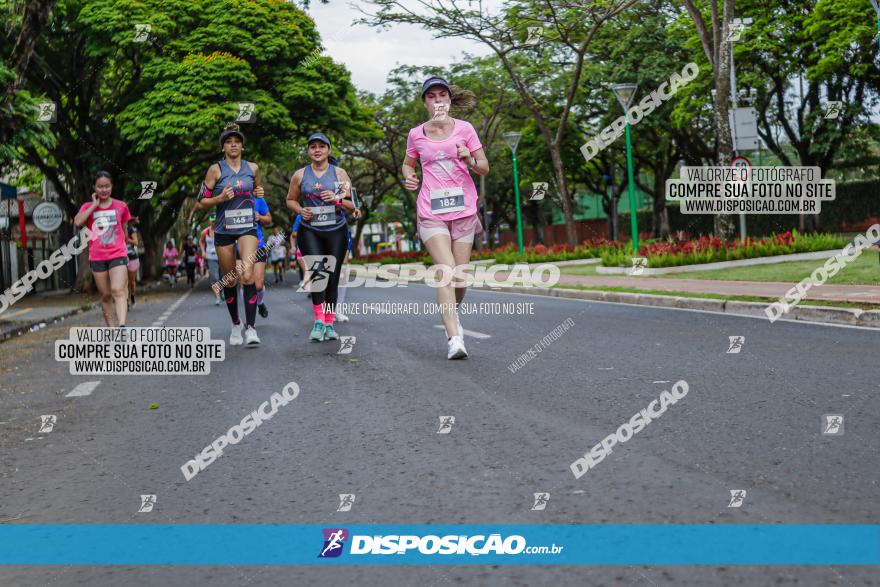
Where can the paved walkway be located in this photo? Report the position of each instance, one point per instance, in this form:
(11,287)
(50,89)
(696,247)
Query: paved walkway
(766,289)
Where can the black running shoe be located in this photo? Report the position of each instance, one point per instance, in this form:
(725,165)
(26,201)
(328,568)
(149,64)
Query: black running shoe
(263,310)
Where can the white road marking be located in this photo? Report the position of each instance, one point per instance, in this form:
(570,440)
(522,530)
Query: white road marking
(471,333)
(83,389)
(728,314)
(167,314)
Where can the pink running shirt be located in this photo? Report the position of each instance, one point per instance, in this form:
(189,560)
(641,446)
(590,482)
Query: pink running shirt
(111,244)
(441,167)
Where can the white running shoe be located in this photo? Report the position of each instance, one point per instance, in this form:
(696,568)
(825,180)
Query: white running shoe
(250,336)
(455,348)
(341,317)
(235,336)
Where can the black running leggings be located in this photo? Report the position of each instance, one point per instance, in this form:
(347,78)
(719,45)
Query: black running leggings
(332,244)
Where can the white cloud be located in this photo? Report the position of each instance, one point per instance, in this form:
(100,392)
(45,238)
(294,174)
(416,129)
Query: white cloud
(369,54)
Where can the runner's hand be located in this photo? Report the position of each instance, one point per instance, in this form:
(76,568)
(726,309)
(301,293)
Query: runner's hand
(228,193)
(463,152)
(258,192)
(95,198)
(412,182)
(306,214)
(357,214)
(328,196)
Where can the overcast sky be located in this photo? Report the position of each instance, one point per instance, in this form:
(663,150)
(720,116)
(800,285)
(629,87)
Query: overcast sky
(370,54)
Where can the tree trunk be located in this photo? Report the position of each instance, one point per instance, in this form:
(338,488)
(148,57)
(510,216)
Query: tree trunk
(659,214)
(84,282)
(567,200)
(723,223)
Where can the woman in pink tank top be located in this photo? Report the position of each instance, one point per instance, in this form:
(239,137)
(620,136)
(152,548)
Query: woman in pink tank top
(447,150)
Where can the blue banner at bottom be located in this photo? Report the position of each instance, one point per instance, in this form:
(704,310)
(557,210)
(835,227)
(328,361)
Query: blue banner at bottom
(480,544)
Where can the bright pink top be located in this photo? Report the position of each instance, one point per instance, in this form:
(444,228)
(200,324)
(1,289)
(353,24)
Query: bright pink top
(111,244)
(441,167)
(170,257)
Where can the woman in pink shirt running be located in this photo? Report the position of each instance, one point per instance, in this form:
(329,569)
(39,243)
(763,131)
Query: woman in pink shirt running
(108,253)
(446,207)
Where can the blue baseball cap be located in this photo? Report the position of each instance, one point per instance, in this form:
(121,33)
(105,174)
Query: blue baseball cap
(319,136)
(435,81)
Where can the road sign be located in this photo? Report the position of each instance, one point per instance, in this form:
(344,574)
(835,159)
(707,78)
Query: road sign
(47,216)
(746,130)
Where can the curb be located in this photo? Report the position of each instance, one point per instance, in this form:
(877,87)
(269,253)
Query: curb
(26,327)
(829,315)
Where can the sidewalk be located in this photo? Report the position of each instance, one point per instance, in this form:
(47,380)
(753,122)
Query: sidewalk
(36,311)
(864,294)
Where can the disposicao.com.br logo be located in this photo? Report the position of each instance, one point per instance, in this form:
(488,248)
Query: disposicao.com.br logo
(431,544)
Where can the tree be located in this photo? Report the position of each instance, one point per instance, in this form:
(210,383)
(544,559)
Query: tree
(569,28)
(715,40)
(148,104)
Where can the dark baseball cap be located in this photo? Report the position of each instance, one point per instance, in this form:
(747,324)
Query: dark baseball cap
(319,136)
(435,81)
(231,132)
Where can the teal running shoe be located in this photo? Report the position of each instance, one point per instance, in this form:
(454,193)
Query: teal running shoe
(330,332)
(317,334)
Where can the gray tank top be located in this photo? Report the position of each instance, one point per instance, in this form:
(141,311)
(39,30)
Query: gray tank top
(236,216)
(328,217)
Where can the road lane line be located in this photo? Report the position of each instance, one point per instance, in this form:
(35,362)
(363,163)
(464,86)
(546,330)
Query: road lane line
(83,389)
(471,333)
(167,313)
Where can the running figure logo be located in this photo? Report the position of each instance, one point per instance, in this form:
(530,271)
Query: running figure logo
(736,31)
(147,503)
(639,264)
(539,190)
(536,33)
(246,112)
(148,188)
(346,500)
(541,500)
(346,345)
(832,425)
(320,268)
(47,423)
(142,32)
(441,111)
(47,112)
(736,344)
(446,423)
(832,109)
(334,540)
(737,497)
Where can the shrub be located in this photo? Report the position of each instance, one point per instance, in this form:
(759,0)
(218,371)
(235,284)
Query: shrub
(707,249)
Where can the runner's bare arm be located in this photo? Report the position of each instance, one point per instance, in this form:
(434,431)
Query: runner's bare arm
(410,179)
(293,195)
(211,179)
(258,187)
(481,163)
(345,186)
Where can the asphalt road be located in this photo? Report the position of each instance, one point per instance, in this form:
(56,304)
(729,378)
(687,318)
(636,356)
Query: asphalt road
(366,423)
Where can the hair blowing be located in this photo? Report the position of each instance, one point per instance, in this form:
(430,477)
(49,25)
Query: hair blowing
(463,101)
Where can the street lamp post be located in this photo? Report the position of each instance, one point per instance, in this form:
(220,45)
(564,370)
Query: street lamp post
(512,140)
(877,10)
(625,94)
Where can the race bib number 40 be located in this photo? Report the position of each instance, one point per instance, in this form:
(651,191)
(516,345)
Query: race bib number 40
(447,200)
(322,215)
(237,219)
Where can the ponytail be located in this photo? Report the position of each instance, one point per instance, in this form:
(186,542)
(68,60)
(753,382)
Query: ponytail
(333,161)
(463,101)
